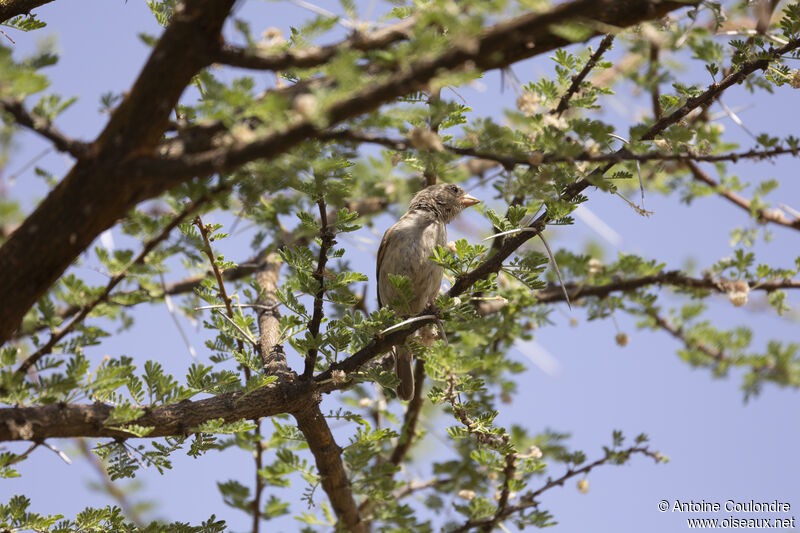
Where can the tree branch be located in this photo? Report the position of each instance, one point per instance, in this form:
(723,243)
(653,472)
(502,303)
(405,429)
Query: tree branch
(716,89)
(718,355)
(509,161)
(315,55)
(763,215)
(269,318)
(326,242)
(12,8)
(674,278)
(529,499)
(563,103)
(502,504)
(223,292)
(60,420)
(42,126)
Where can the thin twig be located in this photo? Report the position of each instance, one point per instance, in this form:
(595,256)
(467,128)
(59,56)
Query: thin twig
(763,215)
(112,489)
(652,72)
(692,344)
(509,161)
(259,460)
(529,499)
(204,232)
(42,126)
(508,476)
(326,242)
(563,104)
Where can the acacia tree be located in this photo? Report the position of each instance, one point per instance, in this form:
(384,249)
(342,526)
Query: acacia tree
(347,131)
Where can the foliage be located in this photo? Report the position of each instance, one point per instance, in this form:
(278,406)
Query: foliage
(307,200)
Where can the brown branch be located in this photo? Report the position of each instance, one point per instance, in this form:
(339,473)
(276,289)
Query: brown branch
(259,459)
(328,457)
(678,333)
(716,89)
(205,233)
(12,8)
(652,72)
(508,476)
(510,161)
(529,499)
(269,318)
(315,55)
(763,215)
(83,312)
(326,242)
(42,126)
(563,103)
(272,356)
(60,420)
(673,278)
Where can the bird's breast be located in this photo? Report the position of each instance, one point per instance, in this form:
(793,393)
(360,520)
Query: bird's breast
(412,243)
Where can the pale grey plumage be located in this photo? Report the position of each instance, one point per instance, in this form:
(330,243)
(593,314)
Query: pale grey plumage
(405,250)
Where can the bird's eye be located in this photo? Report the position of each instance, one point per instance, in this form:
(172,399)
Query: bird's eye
(453,188)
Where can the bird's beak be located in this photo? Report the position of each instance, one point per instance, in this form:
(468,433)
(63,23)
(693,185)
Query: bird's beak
(468,200)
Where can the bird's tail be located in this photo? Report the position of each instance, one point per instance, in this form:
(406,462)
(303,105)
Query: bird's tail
(404,371)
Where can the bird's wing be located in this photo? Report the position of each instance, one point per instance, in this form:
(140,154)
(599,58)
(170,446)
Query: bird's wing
(381,253)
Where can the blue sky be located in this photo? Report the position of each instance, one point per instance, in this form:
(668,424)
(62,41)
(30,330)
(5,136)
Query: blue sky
(719,447)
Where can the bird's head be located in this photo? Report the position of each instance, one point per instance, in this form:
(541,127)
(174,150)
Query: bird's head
(445,199)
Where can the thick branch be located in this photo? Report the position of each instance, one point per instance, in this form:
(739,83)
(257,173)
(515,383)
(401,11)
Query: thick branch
(328,456)
(269,317)
(42,126)
(12,8)
(87,420)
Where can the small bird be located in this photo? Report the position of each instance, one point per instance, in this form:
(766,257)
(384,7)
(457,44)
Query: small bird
(405,250)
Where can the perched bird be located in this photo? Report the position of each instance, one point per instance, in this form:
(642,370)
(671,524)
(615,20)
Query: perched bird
(405,250)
